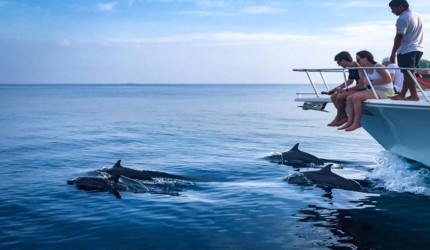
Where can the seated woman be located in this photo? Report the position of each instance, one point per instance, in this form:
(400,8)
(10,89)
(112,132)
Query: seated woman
(381,81)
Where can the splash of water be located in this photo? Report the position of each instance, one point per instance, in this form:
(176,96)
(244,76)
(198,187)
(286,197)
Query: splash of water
(394,173)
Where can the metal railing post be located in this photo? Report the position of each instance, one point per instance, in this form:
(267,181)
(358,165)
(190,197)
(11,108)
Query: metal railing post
(312,83)
(322,77)
(344,77)
(370,83)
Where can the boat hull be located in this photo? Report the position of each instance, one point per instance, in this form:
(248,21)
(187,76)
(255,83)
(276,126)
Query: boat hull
(402,127)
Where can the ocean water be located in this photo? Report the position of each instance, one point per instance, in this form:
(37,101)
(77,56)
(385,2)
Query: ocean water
(217,136)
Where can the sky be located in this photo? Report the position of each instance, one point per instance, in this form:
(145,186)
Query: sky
(188,41)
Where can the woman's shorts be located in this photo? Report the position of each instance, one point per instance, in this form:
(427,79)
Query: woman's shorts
(384,93)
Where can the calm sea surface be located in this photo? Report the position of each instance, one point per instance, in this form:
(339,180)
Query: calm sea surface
(217,135)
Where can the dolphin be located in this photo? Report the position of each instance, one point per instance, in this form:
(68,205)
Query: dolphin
(325,177)
(98,184)
(117,170)
(295,155)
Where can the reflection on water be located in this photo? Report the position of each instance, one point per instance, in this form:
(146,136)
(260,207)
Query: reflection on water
(375,220)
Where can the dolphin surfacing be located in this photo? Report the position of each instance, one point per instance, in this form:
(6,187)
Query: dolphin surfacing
(295,155)
(325,177)
(98,184)
(146,175)
(117,170)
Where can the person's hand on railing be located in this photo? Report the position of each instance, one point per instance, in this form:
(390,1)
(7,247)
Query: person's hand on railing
(330,92)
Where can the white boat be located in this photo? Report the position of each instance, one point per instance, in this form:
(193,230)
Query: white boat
(402,127)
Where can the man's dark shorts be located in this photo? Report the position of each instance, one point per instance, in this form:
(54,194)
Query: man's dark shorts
(409,60)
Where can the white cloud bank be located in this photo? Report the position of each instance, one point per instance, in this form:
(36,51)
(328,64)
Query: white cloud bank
(106,7)
(216,37)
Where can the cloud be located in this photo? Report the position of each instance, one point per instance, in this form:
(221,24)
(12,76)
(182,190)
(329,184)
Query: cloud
(65,43)
(4,3)
(210,3)
(262,10)
(419,4)
(353,5)
(218,37)
(228,7)
(366,31)
(106,7)
(200,3)
(208,13)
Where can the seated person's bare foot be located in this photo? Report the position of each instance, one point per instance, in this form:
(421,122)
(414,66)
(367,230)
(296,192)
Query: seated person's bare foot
(332,123)
(397,97)
(412,98)
(353,127)
(341,122)
(345,126)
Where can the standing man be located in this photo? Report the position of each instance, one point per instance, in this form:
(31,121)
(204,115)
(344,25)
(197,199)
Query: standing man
(408,45)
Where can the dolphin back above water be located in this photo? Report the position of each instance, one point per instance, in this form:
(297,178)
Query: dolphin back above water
(117,170)
(325,177)
(98,184)
(136,181)
(147,175)
(295,155)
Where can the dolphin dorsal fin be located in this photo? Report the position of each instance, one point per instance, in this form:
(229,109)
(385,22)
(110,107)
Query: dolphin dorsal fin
(327,169)
(296,147)
(117,164)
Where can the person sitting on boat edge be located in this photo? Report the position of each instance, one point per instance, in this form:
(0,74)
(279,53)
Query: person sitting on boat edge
(341,92)
(381,82)
(395,73)
(408,45)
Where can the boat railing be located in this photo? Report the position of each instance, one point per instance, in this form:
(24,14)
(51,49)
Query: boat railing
(344,70)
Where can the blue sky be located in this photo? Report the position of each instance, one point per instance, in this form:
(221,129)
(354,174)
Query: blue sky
(187,41)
